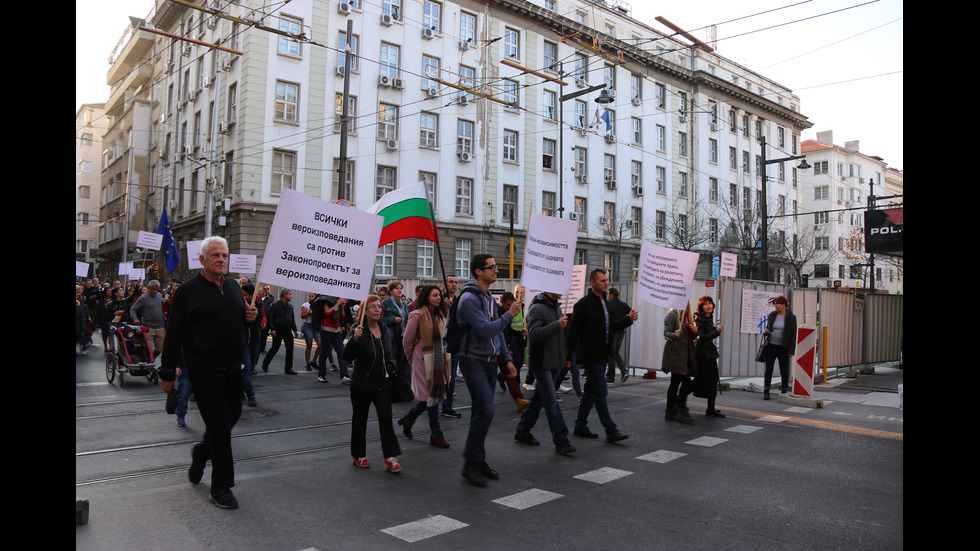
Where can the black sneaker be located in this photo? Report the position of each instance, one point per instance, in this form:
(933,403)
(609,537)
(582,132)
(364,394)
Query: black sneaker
(196,471)
(565,448)
(487,471)
(584,432)
(616,435)
(473,475)
(526,438)
(451,413)
(309,366)
(223,498)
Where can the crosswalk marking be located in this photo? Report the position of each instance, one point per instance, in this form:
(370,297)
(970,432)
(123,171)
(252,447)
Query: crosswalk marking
(527,499)
(603,475)
(773,418)
(744,429)
(425,528)
(661,456)
(706,441)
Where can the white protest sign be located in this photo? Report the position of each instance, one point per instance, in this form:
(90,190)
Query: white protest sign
(81,269)
(322,247)
(149,240)
(194,254)
(125,268)
(755,310)
(137,273)
(729,265)
(665,275)
(548,254)
(241,263)
(577,289)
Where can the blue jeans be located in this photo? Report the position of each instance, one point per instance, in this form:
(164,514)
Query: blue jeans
(447,404)
(331,340)
(480,379)
(420,407)
(248,367)
(183,387)
(595,394)
(575,377)
(544,397)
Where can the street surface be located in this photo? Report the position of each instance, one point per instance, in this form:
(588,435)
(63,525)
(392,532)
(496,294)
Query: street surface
(768,477)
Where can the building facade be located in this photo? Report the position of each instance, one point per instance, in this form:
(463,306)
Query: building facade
(90,124)
(835,197)
(474,98)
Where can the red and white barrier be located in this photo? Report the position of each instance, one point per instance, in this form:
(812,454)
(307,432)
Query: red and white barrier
(805,360)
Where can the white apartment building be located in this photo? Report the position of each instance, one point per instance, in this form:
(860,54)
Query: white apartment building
(835,197)
(467,96)
(90,125)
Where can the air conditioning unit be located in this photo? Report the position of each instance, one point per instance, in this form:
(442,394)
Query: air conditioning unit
(611,184)
(582,130)
(340,70)
(714,127)
(464,99)
(610,138)
(432,92)
(384,80)
(580,175)
(682,118)
(207,82)
(603,220)
(176,158)
(225,63)
(581,83)
(223,127)
(391,145)
(211,22)
(397,83)
(386,20)
(465,156)
(186,50)
(464,44)
(163,117)
(188,150)
(343,8)
(192,95)
(629,224)
(637,100)
(573,216)
(428,33)
(638,191)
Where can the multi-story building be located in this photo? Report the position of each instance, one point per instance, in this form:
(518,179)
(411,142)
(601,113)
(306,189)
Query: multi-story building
(476,98)
(835,197)
(90,124)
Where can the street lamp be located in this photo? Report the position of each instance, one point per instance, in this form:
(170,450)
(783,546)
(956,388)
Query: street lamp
(764,265)
(604,98)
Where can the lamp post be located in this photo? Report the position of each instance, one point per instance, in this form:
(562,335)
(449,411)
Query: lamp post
(763,207)
(603,98)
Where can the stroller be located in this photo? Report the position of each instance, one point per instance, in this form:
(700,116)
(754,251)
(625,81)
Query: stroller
(129,352)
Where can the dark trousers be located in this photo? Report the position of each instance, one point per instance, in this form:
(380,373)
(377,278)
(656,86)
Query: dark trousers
(219,399)
(277,341)
(775,353)
(680,387)
(616,358)
(361,401)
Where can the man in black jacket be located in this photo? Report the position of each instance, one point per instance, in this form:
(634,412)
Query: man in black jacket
(207,322)
(283,324)
(617,309)
(592,328)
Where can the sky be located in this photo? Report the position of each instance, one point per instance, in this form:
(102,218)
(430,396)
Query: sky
(843,58)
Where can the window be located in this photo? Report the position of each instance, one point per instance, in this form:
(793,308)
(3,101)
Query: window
(549,4)
(464,249)
(608,168)
(821,243)
(733,195)
(636,86)
(510,146)
(430,70)
(780,137)
(428,130)
(661,138)
(682,144)
(609,76)
(430,184)
(548,147)
(464,137)
(821,217)
(581,163)
(392,8)
(233,103)
(609,214)
(636,174)
(384,182)
(342,51)
(821,167)
(293,26)
(713,231)
(464,196)
(84,166)
(467,34)
(745,126)
(346,191)
(579,67)
(87,139)
(713,190)
(389,60)
(682,191)
(466,79)
(636,217)
(339,112)
(661,224)
(682,227)
(548,203)
(582,17)
(387,122)
(509,206)
(581,256)
(283,171)
(85,192)
(731,120)
(636,127)
(745,162)
(550,55)
(659,96)
(580,210)
(713,151)
(431,15)
(682,105)
(287,101)
(510,95)
(512,44)
(425,251)
(384,263)
(821,270)
(549,105)
(661,180)
(732,158)
(821,192)
(580,110)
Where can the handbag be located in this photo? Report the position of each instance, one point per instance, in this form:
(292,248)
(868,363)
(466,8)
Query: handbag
(401,389)
(760,355)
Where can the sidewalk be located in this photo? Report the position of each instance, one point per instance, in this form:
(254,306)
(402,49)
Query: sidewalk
(878,389)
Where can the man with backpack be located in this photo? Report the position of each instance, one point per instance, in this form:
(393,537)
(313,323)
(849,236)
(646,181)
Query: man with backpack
(475,332)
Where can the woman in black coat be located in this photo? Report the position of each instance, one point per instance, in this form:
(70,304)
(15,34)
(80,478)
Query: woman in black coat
(706,382)
(369,350)
(782,343)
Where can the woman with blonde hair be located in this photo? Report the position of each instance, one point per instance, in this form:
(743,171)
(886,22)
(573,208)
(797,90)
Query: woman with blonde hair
(431,367)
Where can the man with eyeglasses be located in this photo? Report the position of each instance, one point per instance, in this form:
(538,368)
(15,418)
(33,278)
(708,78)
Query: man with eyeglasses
(482,342)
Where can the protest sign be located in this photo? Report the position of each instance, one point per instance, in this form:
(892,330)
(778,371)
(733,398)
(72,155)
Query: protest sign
(81,269)
(149,240)
(755,310)
(548,254)
(194,254)
(241,263)
(665,275)
(729,265)
(319,246)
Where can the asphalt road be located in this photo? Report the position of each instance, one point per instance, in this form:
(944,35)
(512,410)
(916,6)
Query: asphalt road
(770,476)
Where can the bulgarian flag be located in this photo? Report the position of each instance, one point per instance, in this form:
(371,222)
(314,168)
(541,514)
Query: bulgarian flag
(406,214)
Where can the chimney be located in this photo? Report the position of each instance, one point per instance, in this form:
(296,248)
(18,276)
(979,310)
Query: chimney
(852,146)
(826,137)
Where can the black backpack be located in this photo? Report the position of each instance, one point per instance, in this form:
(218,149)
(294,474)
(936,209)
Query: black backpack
(454,330)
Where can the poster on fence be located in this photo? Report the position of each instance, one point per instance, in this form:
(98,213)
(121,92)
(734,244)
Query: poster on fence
(320,246)
(665,275)
(548,254)
(755,310)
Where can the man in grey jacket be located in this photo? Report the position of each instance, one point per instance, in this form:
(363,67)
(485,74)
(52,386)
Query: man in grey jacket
(546,353)
(148,309)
